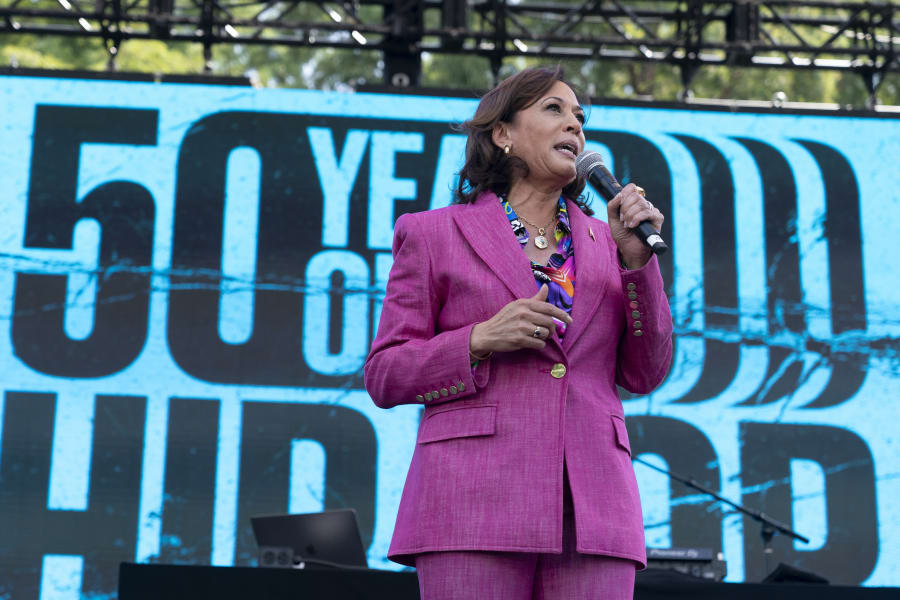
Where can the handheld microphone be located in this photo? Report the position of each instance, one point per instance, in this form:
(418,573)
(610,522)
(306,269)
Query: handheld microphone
(590,165)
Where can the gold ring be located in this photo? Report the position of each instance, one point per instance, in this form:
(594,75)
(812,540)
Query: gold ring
(640,190)
(537,332)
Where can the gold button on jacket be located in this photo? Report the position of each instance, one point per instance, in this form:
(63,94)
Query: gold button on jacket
(558,370)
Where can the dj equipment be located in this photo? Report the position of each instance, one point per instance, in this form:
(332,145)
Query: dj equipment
(698,562)
(328,539)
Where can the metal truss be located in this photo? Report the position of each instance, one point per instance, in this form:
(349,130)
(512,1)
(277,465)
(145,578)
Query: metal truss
(861,37)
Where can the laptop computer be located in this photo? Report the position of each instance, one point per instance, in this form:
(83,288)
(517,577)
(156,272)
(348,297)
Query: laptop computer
(328,539)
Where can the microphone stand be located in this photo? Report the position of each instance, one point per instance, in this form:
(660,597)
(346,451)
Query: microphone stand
(769,526)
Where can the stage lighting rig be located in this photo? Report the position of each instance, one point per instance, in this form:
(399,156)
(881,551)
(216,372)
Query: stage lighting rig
(859,37)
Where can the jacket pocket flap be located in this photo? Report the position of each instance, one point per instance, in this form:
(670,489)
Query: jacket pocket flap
(621,433)
(460,422)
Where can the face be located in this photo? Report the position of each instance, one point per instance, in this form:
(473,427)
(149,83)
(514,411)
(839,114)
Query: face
(547,135)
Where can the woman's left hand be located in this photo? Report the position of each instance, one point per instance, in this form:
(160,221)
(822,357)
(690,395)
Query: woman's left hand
(625,212)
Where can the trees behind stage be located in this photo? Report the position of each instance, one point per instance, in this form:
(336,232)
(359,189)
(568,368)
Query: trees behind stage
(330,68)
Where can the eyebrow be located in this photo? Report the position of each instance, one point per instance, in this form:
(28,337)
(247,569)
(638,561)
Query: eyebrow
(577,106)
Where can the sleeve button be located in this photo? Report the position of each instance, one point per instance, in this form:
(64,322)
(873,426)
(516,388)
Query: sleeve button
(445,392)
(461,386)
(636,314)
(453,389)
(631,286)
(632,295)
(637,324)
(420,398)
(638,333)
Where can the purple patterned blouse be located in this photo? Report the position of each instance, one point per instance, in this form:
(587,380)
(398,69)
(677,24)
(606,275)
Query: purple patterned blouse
(559,272)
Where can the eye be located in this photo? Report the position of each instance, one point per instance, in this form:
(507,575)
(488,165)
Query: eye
(580,117)
(554,107)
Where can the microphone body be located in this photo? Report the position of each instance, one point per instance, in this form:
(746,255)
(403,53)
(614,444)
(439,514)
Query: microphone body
(590,165)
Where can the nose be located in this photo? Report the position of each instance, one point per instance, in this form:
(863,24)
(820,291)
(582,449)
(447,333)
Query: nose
(573,125)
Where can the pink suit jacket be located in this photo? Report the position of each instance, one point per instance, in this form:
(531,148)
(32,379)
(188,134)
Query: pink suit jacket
(487,470)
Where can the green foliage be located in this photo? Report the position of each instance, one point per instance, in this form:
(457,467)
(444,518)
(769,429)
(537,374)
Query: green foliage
(330,68)
(159,57)
(889,92)
(44,52)
(336,69)
(456,71)
(17,55)
(271,66)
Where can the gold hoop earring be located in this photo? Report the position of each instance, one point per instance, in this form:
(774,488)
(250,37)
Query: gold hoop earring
(506,149)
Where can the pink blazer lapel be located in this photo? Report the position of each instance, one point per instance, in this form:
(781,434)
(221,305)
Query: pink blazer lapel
(487,230)
(592,272)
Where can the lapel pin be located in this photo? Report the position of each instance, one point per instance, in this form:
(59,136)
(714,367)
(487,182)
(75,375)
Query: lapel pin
(591,231)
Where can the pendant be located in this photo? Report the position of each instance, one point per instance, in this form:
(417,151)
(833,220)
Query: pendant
(540,241)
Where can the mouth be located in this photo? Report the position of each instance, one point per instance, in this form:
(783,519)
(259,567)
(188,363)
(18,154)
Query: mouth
(568,149)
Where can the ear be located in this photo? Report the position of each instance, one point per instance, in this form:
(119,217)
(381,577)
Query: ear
(500,135)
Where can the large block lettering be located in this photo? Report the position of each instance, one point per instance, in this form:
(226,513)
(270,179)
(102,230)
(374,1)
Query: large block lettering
(105,533)
(688,452)
(224,252)
(125,212)
(189,491)
(267,432)
(291,231)
(766,453)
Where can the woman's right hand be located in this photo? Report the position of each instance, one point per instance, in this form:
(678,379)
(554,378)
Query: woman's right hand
(513,327)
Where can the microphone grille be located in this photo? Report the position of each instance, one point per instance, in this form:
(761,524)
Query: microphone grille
(586,161)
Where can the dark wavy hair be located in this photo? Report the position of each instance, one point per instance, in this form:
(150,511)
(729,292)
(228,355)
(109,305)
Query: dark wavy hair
(487,167)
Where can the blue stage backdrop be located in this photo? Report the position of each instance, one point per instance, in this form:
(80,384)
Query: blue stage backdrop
(191,275)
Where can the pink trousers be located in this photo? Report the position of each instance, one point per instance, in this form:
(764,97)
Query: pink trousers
(527,576)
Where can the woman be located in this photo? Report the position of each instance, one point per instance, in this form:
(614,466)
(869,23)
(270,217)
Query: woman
(521,483)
